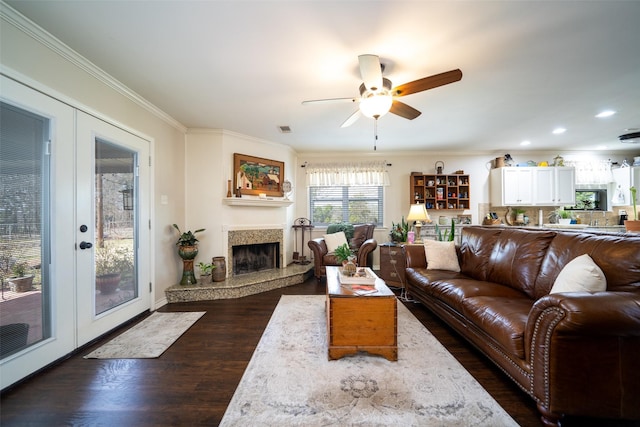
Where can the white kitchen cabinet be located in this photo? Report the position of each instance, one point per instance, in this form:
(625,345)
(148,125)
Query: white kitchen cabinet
(511,187)
(533,186)
(624,178)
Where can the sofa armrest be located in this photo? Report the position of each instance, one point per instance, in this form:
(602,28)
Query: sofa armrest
(365,249)
(574,341)
(584,313)
(414,256)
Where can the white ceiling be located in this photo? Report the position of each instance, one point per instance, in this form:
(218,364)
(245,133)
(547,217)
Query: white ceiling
(246,66)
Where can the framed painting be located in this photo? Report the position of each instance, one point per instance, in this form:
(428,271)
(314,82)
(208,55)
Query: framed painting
(254,175)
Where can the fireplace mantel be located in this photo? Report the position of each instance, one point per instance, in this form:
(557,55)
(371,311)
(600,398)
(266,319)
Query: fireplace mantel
(246,201)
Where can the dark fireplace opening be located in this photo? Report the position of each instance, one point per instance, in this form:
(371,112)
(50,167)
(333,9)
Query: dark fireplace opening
(255,257)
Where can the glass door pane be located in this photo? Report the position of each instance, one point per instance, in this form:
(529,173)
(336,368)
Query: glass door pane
(115,240)
(24,174)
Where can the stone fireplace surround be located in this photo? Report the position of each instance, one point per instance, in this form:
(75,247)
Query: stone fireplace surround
(252,236)
(244,284)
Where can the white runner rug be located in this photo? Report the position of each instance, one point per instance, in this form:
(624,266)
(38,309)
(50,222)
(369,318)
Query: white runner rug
(290,382)
(149,338)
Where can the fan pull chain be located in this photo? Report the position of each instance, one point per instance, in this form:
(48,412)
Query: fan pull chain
(375,134)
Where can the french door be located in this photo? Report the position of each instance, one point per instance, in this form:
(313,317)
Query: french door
(65,178)
(112,226)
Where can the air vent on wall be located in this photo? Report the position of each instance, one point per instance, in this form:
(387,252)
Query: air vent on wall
(630,138)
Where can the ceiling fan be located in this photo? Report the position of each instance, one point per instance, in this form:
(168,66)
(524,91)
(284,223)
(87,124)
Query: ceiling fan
(377,97)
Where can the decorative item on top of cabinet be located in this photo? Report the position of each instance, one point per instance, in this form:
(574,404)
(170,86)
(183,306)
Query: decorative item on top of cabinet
(441,191)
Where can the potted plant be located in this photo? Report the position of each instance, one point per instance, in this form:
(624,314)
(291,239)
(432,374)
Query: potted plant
(346,255)
(205,268)
(448,236)
(565,217)
(633,224)
(399,231)
(21,280)
(187,249)
(112,263)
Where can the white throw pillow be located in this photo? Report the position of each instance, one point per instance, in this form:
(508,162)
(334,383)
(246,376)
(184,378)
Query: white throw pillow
(441,255)
(334,240)
(581,274)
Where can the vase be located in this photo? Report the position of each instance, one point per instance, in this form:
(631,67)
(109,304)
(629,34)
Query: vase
(108,283)
(220,269)
(188,253)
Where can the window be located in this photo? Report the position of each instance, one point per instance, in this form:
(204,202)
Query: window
(356,205)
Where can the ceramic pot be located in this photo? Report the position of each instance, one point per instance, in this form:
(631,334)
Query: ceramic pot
(21,284)
(632,226)
(220,271)
(108,283)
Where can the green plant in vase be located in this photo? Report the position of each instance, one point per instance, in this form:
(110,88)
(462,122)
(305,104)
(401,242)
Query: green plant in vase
(634,224)
(187,249)
(399,231)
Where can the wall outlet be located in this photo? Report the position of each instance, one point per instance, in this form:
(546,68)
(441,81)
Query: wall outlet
(622,212)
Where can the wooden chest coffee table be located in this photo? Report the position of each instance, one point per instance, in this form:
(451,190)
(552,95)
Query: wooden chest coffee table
(361,320)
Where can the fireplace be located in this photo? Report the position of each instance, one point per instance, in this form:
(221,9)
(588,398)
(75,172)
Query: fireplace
(253,250)
(255,257)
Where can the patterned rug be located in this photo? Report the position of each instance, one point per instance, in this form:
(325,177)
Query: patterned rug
(149,338)
(289,380)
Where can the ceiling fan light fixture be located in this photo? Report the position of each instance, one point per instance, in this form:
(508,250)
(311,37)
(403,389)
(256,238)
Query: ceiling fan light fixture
(376,106)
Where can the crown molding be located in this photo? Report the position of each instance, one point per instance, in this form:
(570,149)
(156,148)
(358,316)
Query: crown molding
(33,30)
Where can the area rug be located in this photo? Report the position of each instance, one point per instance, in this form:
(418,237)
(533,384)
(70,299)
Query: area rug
(149,338)
(289,380)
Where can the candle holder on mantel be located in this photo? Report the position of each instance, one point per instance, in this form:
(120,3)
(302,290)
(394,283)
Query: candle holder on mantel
(229,188)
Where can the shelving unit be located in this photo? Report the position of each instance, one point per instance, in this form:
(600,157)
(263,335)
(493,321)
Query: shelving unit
(444,192)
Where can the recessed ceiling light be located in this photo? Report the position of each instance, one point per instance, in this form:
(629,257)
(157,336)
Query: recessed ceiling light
(605,113)
(525,143)
(558,131)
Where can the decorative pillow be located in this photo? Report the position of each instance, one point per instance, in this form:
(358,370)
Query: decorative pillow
(441,255)
(581,274)
(334,240)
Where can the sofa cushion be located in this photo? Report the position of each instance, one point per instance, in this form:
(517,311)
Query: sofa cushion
(475,250)
(441,255)
(359,235)
(334,240)
(580,274)
(456,290)
(616,255)
(504,319)
(517,258)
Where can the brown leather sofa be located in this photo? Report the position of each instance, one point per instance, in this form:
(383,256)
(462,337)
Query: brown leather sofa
(574,353)
(362,243)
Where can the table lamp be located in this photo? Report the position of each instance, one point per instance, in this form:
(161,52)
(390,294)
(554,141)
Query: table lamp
(418,213)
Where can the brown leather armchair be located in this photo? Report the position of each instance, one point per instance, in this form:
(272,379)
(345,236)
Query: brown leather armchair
(362,243)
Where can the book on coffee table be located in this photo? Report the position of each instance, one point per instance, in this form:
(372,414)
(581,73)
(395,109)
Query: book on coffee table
(363,277)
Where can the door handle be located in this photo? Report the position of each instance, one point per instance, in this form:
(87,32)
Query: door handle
(85,245)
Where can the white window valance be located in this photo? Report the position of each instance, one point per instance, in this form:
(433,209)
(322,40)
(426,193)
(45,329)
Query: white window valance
(346,174)
(590,172)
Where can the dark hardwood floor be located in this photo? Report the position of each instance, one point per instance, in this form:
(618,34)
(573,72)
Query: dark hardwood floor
(193,381)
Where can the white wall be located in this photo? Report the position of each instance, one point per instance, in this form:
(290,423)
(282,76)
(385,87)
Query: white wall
(62,74)
(209,159)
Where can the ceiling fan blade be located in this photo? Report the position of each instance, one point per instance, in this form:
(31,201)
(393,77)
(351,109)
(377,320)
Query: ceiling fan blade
(403,110)
(329,101)
(352,119)
(427,83)
(371,71)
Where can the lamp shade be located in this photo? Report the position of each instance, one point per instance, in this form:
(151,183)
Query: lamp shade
(418,212)
(376,105)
